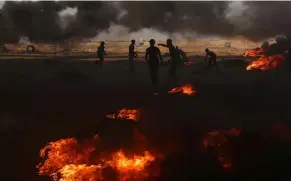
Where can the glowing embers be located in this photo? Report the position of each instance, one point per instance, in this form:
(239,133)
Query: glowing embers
(68,160)
(188,63)
(130,114)
(186,89)
(266,63)
(218,141)
(257,52)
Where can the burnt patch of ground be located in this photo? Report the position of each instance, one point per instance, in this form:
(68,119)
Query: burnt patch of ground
(36,109)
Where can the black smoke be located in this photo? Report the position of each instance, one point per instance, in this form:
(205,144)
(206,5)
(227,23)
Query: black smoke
(41,22)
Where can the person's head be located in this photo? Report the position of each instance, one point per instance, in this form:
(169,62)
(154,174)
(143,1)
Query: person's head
(152,42)
(169,42)
(132,41)
(206,50)
(102,43)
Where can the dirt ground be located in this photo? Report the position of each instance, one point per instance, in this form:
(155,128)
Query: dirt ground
(44,100)
(192,47)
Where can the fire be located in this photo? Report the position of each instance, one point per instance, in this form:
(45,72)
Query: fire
(266,63)
(130,114)
(218,140)
(189,63)
(186,89)
(80,172)
(131,168)
(68,160)
(257,52)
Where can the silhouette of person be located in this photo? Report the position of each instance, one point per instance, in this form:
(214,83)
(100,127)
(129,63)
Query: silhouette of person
(175,60)
(131,55)
(182,54)
(101,52)
(152,56)
(211,59)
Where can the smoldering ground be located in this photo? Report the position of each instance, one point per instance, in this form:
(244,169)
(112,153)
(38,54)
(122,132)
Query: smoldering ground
(42,105)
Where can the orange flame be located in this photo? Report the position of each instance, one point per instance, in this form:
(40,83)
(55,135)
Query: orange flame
(266,63)
(131,168)
(218,141)
(130,114)
(186,89)
(257,52)
(67,160)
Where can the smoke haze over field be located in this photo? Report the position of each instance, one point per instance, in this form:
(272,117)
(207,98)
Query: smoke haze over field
(57,21)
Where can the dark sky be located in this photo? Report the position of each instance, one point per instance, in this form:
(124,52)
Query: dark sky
(47,22)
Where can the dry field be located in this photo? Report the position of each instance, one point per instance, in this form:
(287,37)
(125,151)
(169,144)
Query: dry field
(238,47)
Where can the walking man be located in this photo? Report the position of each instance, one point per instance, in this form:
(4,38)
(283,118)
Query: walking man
(152,56)
(175,60)
(101,53)
(131,55)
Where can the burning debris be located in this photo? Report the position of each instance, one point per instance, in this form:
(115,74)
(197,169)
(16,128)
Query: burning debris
(188,63)
(68,160)
(270,56)
(257,52)
(266,63)
(186,89)
(130,114)
(218,141)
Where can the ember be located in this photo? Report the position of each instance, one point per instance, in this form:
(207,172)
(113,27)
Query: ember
(189,63)
(257,52)
(218,141)
(186,89)
(67,160)
(130,114)
(266,63)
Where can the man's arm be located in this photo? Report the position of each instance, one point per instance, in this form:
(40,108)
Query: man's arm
(163,45)
(206,56)
(146,55)
(105,53)
(160,55)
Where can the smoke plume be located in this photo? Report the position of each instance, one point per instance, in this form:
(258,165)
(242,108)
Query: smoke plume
(48,22)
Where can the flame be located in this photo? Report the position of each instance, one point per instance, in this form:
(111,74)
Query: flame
(189,63)
(218,140)
(130,114)
(186,89)
(257,52)
(68,160)
(131,168)
(80,172)
(266,63)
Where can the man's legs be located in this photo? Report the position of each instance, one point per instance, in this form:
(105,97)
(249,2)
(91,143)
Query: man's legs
(131,64)
(215,64)
(209,65)
(101,59)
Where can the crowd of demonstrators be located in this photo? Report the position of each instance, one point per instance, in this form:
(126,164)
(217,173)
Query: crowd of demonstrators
(153,58)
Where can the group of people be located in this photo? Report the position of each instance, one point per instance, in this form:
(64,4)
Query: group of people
(153,58)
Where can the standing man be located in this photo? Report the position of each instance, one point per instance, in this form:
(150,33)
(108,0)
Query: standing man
(152,56)
(100,53)
(131,55)
(211,59)
(176,59)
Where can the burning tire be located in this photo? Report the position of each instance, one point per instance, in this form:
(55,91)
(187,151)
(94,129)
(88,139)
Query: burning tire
(30,49)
